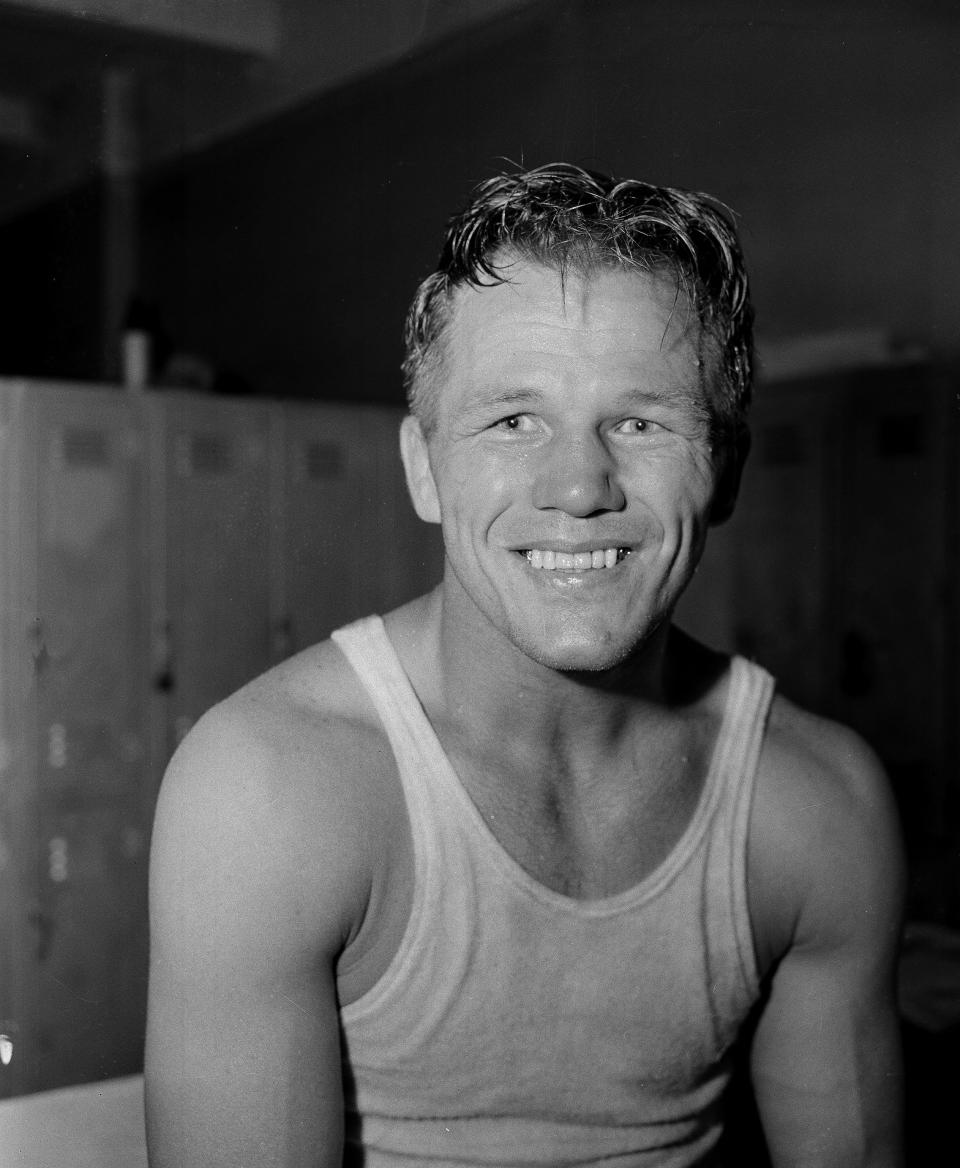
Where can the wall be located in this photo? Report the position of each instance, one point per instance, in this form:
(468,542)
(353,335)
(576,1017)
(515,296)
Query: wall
(50,288)
(290,254)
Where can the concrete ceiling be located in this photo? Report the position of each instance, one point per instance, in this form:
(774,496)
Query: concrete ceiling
(191,71)
(245,25)
(155,79)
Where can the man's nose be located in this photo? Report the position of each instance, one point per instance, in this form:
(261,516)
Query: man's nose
(579,476)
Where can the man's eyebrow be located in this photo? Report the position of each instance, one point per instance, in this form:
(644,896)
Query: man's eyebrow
(662,395)
(496,396)
(504,394)
(666,396)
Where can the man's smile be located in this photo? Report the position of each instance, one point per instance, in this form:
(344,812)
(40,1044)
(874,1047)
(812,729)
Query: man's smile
(550,559)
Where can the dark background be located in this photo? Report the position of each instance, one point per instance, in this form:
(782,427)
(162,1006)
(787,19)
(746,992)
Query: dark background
(287,248)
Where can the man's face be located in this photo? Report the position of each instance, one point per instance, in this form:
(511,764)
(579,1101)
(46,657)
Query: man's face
(569,463)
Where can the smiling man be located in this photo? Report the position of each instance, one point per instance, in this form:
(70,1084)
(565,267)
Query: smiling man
(511,874)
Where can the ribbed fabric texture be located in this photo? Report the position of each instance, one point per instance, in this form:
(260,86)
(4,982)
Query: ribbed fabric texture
(516,1026)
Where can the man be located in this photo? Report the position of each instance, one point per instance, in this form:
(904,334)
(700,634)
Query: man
(503,878)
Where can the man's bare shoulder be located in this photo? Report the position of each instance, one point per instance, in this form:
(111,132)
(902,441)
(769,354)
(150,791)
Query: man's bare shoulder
(825,851)
(306,722)
(291,777)
(824,765)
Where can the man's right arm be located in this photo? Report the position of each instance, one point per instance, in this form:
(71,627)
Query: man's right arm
(250,904)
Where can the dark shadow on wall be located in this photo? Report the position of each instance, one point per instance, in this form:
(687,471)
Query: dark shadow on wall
(50,290)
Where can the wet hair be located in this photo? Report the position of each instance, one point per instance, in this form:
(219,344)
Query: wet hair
(577,220)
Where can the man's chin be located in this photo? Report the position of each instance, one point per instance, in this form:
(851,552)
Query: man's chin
(587,655)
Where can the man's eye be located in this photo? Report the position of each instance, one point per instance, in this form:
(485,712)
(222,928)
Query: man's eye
(635,426)
(515,423)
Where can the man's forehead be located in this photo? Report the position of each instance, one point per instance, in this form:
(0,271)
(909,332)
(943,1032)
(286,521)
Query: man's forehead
(648,306)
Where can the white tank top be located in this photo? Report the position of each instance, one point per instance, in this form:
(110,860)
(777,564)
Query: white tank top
(517,1026)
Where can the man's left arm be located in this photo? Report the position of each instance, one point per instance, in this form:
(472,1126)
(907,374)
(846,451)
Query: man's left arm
(825,1060)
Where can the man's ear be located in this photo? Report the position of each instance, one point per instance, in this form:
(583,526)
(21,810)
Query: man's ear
(416,464)
(728,485)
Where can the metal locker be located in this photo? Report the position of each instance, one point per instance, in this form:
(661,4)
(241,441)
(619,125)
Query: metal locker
(19,894)
(891,673)
(839,571)
(328,508)
(414,549)
(156,552)
(77,799)
(211,546)
(760,587)
(780,539)
(706,609)
(351,541)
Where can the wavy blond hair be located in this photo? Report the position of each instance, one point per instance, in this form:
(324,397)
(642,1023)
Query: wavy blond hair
(569,218)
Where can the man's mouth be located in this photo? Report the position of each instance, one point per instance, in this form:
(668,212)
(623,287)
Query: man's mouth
(551,561)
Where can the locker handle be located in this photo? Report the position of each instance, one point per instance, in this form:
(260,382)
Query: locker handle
(39,651)
(281,637)
(43,923)
(163,676)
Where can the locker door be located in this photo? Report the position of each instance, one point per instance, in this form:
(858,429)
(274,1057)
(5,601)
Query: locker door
(891,670)
(211,546)
(352,543)
(415,548)
(19,897)
(88,820)
(706,609)
(330,555)
(779,538)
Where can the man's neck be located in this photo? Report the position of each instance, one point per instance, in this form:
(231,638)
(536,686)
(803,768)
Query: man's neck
(482,687)
(586,780)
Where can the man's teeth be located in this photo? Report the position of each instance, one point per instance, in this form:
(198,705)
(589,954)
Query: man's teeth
(575,561)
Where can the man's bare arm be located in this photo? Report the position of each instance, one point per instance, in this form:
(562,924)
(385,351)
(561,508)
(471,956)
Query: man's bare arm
(249,906)
(826,1061)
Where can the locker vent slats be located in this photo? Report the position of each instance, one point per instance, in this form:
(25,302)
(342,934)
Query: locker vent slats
(322,460)
(85,446)
(210,453)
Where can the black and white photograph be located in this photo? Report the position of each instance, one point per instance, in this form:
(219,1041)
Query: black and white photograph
(479,583)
